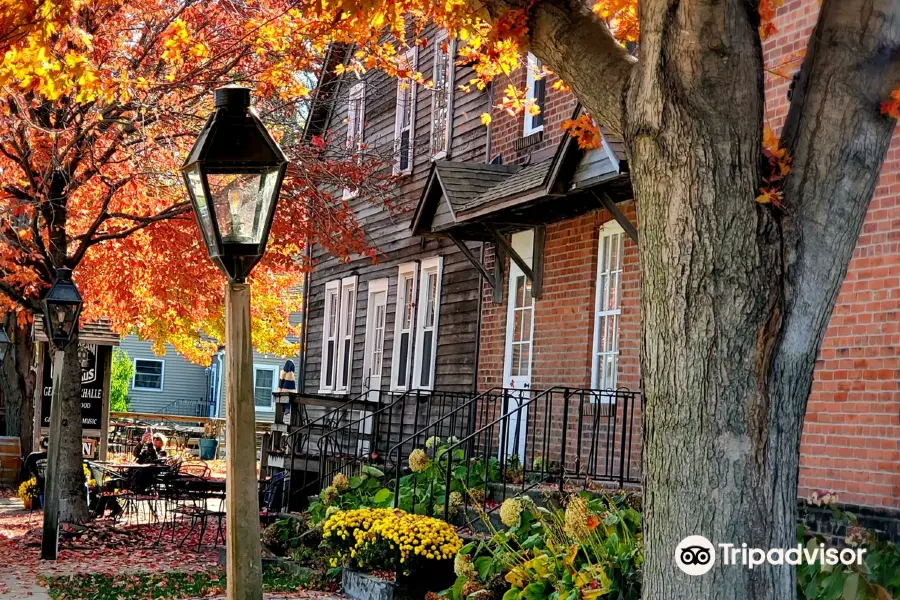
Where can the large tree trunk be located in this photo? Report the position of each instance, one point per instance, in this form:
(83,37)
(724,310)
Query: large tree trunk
(19,380)
(710,299)
(72,502)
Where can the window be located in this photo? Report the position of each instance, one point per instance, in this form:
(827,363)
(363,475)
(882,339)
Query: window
(535,92)
(442,96)
(404,318)
(608,307)
(376,311)
(427,323)
(405,117)
(346,330)
(356,123)
(264,379)
(148,374)
(330,335)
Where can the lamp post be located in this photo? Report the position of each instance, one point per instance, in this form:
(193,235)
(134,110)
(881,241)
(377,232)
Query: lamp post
(62,307)
(233,175)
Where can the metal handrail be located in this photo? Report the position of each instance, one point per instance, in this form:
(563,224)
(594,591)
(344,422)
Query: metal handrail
(547,395)
(432,426)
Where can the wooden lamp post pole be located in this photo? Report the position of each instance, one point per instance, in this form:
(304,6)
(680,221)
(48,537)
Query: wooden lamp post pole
(50,533)
(244,562)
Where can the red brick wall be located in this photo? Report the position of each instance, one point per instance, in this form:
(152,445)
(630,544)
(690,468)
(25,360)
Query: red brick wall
(851,441)
(564,335)
(851,437)
(506,128)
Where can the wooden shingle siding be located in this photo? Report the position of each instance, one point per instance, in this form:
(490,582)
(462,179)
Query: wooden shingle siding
(388,231)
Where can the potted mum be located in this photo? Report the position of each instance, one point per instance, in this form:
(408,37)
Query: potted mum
(28,491)
(209,441)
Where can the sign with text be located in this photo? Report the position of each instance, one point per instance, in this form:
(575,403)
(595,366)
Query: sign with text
(94,380)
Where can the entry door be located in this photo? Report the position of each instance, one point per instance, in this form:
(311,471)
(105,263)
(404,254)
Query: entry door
(519,338)
(376,309)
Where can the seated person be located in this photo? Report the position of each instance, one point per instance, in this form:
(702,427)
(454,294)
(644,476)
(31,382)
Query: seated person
(151,449)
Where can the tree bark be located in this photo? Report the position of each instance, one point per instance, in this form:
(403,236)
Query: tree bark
(72,501)
(19,381)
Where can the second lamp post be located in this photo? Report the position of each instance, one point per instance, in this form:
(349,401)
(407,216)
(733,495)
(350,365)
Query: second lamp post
(62,307)
(233,175)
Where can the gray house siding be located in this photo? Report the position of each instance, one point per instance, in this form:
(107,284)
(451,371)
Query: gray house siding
(388,231)
(181,379)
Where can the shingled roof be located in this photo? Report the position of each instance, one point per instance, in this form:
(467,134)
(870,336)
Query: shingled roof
(462,183)
(524,180)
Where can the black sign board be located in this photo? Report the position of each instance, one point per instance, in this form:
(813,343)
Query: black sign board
(93,381)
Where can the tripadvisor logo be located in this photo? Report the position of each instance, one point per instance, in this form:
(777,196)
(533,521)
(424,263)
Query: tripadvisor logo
(696,555)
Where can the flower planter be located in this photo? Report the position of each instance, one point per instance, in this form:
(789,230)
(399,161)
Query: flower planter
(208,449)
(27,502)
(362,586)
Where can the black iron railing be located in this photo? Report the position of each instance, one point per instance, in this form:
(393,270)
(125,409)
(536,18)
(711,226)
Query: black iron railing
(303,478)
(184,407)
(525,440)
(454,424)
(369,438)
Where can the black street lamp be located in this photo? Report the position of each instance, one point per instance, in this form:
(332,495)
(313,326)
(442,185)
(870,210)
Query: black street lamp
(233,175)
(62,307)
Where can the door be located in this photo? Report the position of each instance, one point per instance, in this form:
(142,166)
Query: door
(376,310)
(519,342)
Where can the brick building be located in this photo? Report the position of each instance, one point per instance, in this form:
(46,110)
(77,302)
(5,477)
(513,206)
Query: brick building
(583,336)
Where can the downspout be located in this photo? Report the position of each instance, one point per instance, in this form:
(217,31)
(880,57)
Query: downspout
(304,319)
(481,282)
(478,324)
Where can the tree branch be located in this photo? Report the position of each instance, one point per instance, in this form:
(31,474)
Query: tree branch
(577,45)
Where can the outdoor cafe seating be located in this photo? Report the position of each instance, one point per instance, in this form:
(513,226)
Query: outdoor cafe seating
(170,493)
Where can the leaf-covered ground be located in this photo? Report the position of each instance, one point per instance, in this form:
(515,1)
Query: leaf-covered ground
(106,554)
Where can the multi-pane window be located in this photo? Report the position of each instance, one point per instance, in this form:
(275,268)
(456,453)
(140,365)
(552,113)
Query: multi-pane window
(263,386)
(427,322)
(405,117)
(356,115)
(337,335)
(535,95)
(442,97)
(376,315)
(404,321)
(522,320)
(148,374)
(608,307)
(330,334)
(356,124)
(346,328)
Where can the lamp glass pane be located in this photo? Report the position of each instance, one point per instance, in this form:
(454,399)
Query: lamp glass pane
(62,319)
(242,202)
(201,206)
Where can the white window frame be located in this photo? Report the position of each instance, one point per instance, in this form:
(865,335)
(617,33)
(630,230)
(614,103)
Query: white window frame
(356,127)
(274,370)
(448,89)
(162,375)
(434,266)
(411,59)
(332,287)
(346,329)
(610,230)
(404,271)
(375,287)
(533,76)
